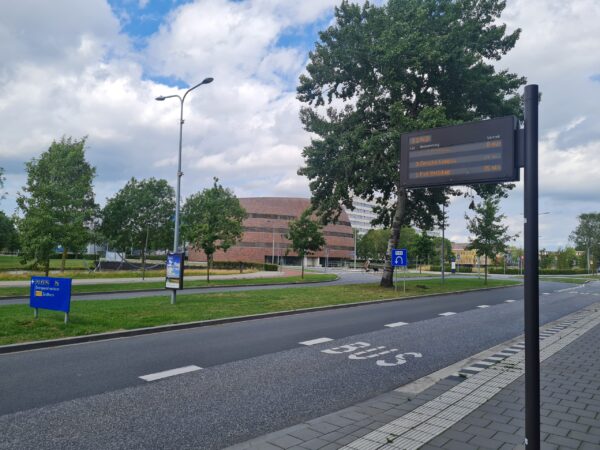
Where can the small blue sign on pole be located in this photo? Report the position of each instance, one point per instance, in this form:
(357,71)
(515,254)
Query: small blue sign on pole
(399,257)
(175,266)
(50,293)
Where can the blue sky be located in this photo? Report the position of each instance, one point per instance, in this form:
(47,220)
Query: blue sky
(93,68)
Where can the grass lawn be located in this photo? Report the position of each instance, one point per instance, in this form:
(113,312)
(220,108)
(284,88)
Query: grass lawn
(17,323)
(91,288)
(84,274)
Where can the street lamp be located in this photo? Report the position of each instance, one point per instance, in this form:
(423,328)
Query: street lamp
(179,173)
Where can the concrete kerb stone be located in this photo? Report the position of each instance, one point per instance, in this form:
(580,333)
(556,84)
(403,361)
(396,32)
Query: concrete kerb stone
(35,345)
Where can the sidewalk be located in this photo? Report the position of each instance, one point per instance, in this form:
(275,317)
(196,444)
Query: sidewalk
(482,406)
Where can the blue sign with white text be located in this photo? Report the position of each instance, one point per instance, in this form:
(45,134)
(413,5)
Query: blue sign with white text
(50,293)
(399,257)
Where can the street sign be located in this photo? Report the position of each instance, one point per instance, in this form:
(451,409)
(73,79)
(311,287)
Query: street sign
(50,293)
(399,257)
(470,153)
(174,276)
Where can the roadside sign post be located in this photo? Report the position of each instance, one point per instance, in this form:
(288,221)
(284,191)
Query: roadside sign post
(50,293)
(399,259)
(490,151)
(532,283)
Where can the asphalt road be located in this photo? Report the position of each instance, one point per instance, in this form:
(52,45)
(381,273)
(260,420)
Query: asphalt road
(256,376)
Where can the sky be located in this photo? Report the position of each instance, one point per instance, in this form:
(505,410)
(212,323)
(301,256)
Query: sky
(94,68)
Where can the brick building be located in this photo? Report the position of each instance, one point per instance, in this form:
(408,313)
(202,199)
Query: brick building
(265,229)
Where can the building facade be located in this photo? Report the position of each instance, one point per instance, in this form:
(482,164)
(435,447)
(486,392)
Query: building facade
(362,215)
(264,235)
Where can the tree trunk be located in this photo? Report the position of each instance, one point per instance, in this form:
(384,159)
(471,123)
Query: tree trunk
(63,263)
(208,263)
(302,258)
(387,279)
(144,256)
(47,266)
(485,278)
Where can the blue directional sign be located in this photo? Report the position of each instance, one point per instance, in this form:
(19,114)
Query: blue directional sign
(399,257)
(50,293)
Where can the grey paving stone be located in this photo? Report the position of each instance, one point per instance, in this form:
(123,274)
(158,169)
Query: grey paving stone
(285,441)
(315,444)
(323,427)
(508,438)
(480,431)
(585,437)
(562,441)
(482,442)
(306,434)
(573,426)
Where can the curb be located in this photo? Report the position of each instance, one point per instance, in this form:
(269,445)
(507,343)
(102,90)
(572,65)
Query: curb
(182,292)
(12,348)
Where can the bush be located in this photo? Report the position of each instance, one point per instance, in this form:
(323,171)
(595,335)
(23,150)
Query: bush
(448,268)
(270,267)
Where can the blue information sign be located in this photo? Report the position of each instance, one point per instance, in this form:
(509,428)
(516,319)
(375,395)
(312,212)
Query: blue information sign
(399,257)
(50,293)
(174,278)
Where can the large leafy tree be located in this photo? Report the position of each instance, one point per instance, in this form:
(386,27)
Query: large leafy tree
(586,236)
(373,244)
(140,216)
(57,202)
(382,71)
(490,235)
(9,238)
(212,220)
(305,235)
(423,248)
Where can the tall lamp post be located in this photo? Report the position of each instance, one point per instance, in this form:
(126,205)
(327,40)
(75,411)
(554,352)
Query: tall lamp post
(179,172)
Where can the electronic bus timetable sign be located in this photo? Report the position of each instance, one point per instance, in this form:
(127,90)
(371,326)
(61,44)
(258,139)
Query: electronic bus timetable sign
(470,153)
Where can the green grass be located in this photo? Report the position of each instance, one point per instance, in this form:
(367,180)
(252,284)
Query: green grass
(84,274)
(87,317)
(9,262)
(112,287)
(565,280)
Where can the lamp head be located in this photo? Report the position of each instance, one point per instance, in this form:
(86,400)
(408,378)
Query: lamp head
(207,80)
(160,98)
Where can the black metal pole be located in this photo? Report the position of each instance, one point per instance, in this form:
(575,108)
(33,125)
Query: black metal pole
(532,285)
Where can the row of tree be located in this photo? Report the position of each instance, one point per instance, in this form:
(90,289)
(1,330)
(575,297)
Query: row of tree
(58,209)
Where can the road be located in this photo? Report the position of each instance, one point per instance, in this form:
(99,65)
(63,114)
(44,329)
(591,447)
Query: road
(256,376)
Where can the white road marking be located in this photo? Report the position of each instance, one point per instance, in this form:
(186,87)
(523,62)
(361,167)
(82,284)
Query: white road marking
(395,324)
(509,301)
(447,314)
(483,306)
(316,341)
(169,373)
(546,293)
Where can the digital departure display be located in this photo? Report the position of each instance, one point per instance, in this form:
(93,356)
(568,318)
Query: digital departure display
(471,153)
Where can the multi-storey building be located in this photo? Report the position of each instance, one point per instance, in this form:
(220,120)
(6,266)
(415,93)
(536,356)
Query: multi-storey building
(265,229)
(362,215)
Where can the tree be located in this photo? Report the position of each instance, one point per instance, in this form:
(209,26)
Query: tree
(212,220)
(2,179)
(373,244)
(9,238)
(57,202)
(491,237)
(402,66)
(586,236)
(305,235)
(566,258)
(140,216)
(423,248)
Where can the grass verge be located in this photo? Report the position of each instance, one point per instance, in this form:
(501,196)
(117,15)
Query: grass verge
(88,317)
(115,287)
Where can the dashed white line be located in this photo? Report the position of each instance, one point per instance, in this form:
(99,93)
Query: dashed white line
(316,341)
(395,324)
(483,306)
(509,301)
(546,293)
(169,373)
(447,313)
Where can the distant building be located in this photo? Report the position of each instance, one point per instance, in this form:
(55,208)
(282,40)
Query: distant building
(264,235)
(362,215)
(464,256)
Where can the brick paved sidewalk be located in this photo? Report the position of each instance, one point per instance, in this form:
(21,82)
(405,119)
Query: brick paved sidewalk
(484,411)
